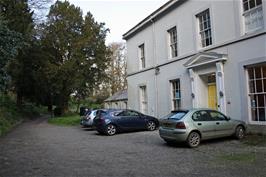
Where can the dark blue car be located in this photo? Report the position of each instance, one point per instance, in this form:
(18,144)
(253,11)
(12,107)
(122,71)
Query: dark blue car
(110,122)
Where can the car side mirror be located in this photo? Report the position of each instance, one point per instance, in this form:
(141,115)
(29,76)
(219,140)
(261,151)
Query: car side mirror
(228,118)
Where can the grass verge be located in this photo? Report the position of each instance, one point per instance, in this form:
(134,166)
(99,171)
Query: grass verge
(65,121)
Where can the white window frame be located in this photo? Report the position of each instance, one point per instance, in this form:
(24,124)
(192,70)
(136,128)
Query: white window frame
(143,99)
(255,12)
(173,42)
(253,103)
(205,33)
(175,100)
(142,59)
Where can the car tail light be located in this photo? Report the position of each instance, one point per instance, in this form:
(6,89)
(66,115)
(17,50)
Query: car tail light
(101,119)
(180,125)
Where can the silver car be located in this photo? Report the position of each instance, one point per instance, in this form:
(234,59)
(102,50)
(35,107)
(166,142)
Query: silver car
(87,120)
(194,125)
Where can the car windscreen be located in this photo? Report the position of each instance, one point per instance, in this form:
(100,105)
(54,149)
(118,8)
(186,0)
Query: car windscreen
(176,115)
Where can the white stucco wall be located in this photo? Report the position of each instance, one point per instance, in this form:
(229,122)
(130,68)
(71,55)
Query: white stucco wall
(227,27)
(116,104)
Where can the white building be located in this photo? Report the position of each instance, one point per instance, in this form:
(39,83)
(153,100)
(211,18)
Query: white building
(193,53)
(117,101)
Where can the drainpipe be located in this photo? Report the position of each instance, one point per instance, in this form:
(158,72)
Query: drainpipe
(156,68)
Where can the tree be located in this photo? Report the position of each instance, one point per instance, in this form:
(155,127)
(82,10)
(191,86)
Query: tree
(77,52)
(19,18)
(117,68)
(10,43)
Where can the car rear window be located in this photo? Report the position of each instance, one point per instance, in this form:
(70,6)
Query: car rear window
(176,115)
(101,113)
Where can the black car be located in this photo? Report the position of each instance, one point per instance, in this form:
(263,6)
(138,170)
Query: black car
(110,122)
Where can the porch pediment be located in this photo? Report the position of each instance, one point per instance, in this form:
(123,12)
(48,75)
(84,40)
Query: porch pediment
(204,58)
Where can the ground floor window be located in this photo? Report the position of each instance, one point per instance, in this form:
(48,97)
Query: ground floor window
(257,92)
(176,94)
(143,100)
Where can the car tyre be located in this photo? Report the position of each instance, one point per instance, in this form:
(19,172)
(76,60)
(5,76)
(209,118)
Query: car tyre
(111,130)
(151,126)
(239,132)
(193,139)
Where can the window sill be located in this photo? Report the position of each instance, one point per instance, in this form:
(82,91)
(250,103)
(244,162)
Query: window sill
(202,49)
(252,32)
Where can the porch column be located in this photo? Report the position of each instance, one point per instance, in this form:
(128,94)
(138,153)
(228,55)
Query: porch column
(221,101)
(193,89)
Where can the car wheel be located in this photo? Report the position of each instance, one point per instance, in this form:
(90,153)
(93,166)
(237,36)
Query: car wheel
(151,126)
(240,132)
(193,139)
(110,129)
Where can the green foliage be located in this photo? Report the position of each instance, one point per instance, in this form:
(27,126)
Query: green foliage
(65,121)
(45,64)
(18,16)
(10,42)
(76,50)
(90,102)
(10,115)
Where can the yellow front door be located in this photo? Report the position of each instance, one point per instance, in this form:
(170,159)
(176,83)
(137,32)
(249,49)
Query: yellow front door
(212,96)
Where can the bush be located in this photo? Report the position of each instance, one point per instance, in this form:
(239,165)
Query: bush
(10,115)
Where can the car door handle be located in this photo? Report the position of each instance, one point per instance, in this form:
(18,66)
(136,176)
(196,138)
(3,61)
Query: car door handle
(199,124)
(217,123)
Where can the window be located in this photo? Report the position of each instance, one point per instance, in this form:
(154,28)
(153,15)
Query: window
(257,92)
(142,56)
(201,116)
(205,28)
(253,15)
(176,94)
(143,100)
(176,115)
(173,42)
(128,113)
(214,115)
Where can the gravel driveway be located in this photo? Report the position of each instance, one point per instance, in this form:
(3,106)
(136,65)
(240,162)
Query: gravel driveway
(37,148)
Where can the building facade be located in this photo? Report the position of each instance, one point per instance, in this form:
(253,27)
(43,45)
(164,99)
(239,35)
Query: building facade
(117,101)
(198,54)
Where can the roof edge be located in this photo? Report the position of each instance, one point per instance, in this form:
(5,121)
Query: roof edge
(150,18)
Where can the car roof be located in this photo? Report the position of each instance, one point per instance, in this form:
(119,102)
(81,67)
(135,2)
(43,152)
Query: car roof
(180,110)
(193,110)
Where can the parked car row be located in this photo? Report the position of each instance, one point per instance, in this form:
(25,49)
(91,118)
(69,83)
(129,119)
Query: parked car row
(112,121)
(190,126)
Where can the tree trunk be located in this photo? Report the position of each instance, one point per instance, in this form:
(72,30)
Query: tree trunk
(50,108)
(78,105)
(19,99)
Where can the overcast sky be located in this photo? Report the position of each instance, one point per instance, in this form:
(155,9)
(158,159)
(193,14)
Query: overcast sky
(118,15)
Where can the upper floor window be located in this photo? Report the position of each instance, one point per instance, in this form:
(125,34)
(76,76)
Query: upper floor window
(253,14)
(173,42)
(142,56)
(176,94)
(205,28)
